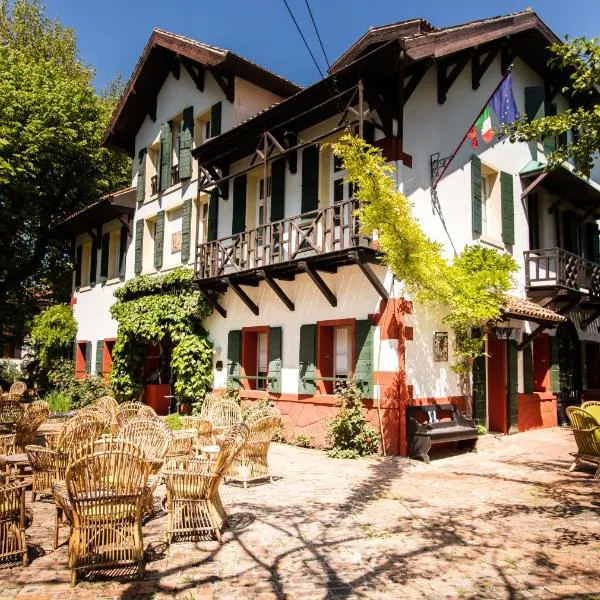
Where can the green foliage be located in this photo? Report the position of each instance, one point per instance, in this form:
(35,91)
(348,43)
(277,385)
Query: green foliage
(173,422)
(9,372)
(349,434)
(471,288)
(53,333)
(303,440)
(481,429)
(151,310)
(249,407)
(51,160)
(58,401)
(580,58)
(80,391)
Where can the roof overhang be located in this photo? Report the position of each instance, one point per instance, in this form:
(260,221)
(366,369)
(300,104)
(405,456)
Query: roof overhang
(525,310)
(164,53)
(565,182)
(113,206)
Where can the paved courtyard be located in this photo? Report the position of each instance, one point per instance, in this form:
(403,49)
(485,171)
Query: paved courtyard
(508,522)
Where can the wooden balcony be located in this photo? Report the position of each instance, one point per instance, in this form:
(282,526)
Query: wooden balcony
(551,269)
(321,240)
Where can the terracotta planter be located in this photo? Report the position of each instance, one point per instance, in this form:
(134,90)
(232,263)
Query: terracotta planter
(154,396)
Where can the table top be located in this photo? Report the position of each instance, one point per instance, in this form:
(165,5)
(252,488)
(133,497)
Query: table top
(49,427)
(16,459)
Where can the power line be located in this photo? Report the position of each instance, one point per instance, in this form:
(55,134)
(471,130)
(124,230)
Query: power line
(304,39)
(318,34)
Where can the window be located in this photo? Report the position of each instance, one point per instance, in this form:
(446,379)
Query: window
(107,356)
(491,222)
(86,259)
(262,360)
(203,127)
(342,352)
(176,131)
(335,353)
(148,245)
(260,348)
(154,154)
(203,235)
(114,254)
(173,236)
(83,351)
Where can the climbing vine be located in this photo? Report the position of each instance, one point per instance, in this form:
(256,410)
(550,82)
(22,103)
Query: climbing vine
(149,310)
(53,333)
(470,288)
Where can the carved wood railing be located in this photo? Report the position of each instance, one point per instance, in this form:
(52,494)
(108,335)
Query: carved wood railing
(318,232)
(555,266)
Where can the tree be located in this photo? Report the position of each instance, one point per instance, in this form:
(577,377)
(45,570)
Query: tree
(53,333)
(581,59)
(51,161)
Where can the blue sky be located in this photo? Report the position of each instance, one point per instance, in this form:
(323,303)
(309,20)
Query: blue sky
(112,33)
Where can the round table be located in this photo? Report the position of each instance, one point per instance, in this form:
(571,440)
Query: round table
(15,461)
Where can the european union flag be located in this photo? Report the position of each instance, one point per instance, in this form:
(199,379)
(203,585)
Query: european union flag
(503,102)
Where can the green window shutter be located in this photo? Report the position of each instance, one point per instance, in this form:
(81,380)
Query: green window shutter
(364,356)
(508,208)
(213,216)
(554,366)
(480,390)
(139,241)
(528,369)
(535,98)
(278,189)
(234,358)
(93,262)
(123,250)
(186,230)
(512,387)
(78,258)
(99,353)
(310,179)
(274,373)
(476,214)
(584,384)
(141,176)
(533,218)
(186,138)
(104,255)
(215,119)
(159,238)
(307,359)
(238,223)
(88,357)
(166,155)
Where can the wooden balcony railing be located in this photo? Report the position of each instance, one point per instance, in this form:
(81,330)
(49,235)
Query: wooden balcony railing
(550,267)
(318,232)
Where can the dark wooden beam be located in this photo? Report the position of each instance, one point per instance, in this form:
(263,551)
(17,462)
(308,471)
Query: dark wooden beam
(585,323)
(445,79)
(278,291)
(381,103)
(411,85)
(243,296)
(225,82)
(195,70)
(215,304)
(507,55)
(147,101)
(529,337)
(479,67)
(534,183)
(176,67)
(318,281)
(370,275)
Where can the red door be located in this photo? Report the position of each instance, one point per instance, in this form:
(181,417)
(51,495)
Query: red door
(496,369)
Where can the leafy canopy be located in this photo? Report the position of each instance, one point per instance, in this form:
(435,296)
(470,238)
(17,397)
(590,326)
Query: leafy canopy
(581,59)
(53,334)
(51,162)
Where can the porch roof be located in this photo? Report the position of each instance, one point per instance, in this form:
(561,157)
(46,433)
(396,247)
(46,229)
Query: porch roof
(525,310)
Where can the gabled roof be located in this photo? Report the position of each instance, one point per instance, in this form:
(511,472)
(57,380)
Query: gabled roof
(161,55)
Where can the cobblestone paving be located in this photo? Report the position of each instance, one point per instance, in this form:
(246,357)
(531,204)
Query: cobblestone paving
(508,522)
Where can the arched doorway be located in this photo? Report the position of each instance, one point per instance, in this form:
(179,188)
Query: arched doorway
(569,363)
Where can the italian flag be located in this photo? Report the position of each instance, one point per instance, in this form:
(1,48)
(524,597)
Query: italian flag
(484,124)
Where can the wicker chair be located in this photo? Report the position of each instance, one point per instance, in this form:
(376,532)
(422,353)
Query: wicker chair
(203,429)
(252,462)
(593,407)
(586,431)
(26,427)
(181,443)
(10,413)
(207,404)
(110,405)
(12,519)
(258,412)
(18,388)
(223,415)
(105,491)
(194,505)
(7,446)
(48,464)
(128,411)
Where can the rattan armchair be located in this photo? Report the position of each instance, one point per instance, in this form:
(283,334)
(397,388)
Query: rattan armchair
(10,413)
(128,411)
(586,431)
(17,389)
(223,415)
(203,429)
(194,505)
(27,425)
(7,446)
(105,492)
(12,519)
(252,462)
(593,407)
(111,406)
(181,443)
(255,413)
(207,404)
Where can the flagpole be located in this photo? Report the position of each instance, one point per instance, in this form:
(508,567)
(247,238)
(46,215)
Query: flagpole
(434,184)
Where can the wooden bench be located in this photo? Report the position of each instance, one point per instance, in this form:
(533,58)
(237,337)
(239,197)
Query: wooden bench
(429,424)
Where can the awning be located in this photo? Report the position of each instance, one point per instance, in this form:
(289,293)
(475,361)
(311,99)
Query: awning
(563,181)
(525,310)
(93,216)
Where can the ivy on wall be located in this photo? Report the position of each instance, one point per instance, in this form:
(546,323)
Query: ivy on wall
(149,310)
(470,288)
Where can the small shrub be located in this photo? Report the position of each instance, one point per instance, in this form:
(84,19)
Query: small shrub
(173,422)
(81,391)
(231,393)
(9,372)
(481,429)
(59,402)
(303,440)
(349,434)
(263,402)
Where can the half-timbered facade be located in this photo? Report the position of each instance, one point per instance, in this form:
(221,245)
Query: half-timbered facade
(300,297)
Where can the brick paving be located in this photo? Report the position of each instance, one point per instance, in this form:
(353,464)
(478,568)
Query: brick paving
(507,522)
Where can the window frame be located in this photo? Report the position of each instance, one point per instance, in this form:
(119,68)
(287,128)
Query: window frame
(325,355)
(249,357)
